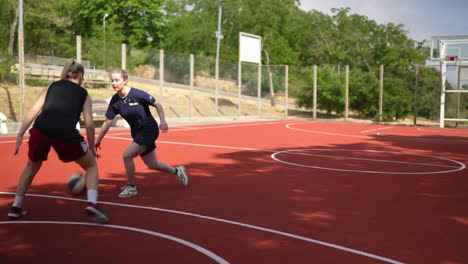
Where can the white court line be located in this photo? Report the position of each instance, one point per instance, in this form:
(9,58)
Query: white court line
(196,247)
(381,137)
(376,129)
(184,128)
(273,156)
(291,151)
(289,126)
(195,144)
(302,238)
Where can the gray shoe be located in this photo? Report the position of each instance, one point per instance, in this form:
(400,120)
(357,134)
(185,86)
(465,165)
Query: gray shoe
(182,175)
(128,191)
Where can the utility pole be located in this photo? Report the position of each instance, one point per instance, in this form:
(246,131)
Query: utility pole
(218,40)
(104,39)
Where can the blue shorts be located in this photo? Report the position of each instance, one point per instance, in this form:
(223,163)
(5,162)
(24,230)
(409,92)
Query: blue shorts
(146,137)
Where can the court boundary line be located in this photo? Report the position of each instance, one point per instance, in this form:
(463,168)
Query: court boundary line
(369,137)
(221,220)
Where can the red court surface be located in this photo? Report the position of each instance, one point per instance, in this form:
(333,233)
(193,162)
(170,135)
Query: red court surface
(289,191)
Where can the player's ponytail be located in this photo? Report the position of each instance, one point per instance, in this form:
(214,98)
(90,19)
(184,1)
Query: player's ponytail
(71,70)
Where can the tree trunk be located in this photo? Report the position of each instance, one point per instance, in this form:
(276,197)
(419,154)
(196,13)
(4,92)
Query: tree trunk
(270,80)
(13,25)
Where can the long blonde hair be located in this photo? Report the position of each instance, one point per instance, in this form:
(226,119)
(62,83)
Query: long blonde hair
(71,70)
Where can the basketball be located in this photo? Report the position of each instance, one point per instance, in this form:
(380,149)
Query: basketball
(76,183)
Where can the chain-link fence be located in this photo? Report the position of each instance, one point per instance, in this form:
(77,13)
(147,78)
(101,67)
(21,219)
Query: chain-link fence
(188,87)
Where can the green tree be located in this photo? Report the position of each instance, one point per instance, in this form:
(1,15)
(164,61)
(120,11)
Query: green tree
(7,29)
(193,28)
(429,93)
(48,28)
(141,22)
(330,90)
(363,92)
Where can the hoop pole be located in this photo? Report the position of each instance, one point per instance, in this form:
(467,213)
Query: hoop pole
(443,78)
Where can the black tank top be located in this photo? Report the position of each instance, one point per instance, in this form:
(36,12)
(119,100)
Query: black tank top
(61,111)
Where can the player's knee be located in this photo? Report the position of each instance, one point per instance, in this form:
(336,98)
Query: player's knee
(127,157)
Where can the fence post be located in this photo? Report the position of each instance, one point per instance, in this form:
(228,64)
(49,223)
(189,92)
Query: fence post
(314,97)
(239,87)
(161,75)
(286,87)
(416,87)
(21,78)
(124,56)
(381,92)
(78,48)
(346,91)
(259,88)
(191,84)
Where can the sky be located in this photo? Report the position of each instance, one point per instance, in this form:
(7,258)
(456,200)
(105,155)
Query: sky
(422,18)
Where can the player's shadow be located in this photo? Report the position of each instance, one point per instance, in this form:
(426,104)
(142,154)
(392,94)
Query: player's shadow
(317,191)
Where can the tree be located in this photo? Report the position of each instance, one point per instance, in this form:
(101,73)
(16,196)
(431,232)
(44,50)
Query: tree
(13,21)
(364,92)
(141,22)
(429,93)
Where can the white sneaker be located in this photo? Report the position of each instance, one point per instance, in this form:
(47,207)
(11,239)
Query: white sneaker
(182,175)
(128,191)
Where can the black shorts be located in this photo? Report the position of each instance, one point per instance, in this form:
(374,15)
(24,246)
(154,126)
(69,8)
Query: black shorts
(146,137)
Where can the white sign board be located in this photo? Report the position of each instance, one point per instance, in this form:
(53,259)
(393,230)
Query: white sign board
(250,48)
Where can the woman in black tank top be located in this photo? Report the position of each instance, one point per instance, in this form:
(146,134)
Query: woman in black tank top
(56,112)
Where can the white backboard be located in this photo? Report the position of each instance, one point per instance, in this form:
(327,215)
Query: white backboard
(443,47)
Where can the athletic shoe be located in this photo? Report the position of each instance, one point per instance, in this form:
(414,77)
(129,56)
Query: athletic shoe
(128,191)
(98,214)
(16,212)
(182,175)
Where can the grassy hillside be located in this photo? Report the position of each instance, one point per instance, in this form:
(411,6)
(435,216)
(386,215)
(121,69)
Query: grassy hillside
(176,102)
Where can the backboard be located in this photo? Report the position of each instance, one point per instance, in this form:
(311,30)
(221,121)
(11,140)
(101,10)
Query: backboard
(449,48)
(451,53)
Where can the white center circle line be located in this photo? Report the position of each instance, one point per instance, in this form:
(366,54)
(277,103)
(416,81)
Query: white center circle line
(264,229)
(196,247)
(460,166)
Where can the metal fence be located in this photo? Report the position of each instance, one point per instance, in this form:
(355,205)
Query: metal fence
(188,88)
(181,82)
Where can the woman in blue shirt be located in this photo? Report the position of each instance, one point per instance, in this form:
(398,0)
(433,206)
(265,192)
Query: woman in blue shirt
(133,105)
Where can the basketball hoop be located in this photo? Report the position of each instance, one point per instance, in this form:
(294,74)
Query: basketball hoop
(451,58)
